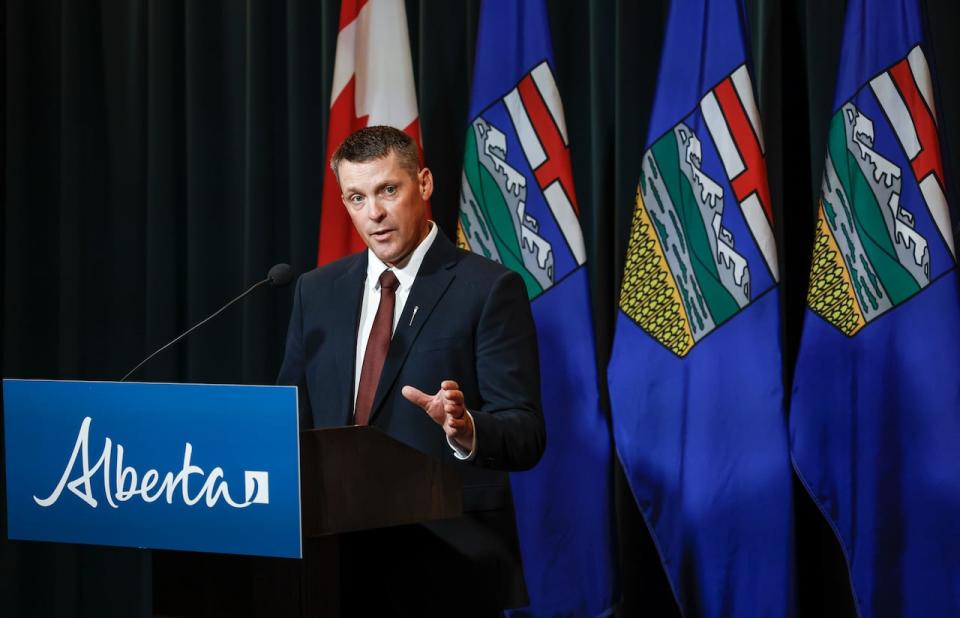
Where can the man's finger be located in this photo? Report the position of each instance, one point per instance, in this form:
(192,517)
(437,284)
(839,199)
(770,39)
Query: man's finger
(449,385)
(453,396)
(417,397)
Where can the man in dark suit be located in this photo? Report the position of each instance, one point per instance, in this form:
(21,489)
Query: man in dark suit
(436,347)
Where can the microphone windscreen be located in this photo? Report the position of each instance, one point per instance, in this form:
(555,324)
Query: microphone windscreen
(280,275)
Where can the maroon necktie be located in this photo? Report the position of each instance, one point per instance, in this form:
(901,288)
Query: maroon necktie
(377,345)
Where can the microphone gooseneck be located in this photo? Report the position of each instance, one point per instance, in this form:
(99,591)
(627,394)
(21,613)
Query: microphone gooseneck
(278,276)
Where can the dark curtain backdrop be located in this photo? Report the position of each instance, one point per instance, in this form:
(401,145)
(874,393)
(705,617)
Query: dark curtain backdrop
(162,154)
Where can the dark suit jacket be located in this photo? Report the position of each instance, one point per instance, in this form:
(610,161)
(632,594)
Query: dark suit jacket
(473,325)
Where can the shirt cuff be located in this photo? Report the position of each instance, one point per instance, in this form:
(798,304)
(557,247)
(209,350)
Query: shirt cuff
(461,453)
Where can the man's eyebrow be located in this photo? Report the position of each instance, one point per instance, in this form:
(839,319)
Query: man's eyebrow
(389,182)
(385,183)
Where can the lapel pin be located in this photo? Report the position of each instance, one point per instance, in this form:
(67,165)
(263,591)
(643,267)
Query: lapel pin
(415,309)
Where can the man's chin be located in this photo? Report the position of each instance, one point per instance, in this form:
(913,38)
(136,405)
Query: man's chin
(393,258)
(384,255)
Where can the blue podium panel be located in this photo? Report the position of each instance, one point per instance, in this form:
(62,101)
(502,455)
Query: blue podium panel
(193,467)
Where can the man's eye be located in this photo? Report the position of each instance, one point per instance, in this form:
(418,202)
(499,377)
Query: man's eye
(390,190)
(356,199)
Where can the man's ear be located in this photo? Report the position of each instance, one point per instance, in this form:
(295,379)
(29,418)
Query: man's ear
(425,182)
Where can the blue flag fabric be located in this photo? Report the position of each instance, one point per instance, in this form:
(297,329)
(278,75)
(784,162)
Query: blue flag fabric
(695,373)
(875,410)
(519,208)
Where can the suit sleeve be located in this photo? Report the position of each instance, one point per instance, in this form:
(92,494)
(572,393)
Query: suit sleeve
(509,425)
(293,369)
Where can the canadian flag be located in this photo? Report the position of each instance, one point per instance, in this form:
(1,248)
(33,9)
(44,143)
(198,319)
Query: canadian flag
(372,85)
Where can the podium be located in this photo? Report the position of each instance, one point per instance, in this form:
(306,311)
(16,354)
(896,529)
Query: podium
(301,491)
(353,479)
(358,478)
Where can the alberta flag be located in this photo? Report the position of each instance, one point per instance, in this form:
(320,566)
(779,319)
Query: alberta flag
(695,373)
(875,414)
(518,207)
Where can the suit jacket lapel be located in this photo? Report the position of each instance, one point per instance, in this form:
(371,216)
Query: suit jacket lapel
(348,294)
(432,281)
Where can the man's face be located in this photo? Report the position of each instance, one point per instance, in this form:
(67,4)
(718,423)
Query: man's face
(387,205)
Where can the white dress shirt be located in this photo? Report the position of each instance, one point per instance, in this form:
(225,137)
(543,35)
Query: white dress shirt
(406,274)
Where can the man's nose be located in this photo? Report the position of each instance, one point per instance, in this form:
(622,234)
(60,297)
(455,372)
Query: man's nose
(375,210)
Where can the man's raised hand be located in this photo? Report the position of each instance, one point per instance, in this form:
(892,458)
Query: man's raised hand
(447,409)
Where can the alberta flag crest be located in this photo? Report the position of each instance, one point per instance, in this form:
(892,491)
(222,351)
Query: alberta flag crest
(696,256)
(517,204)
(883,225)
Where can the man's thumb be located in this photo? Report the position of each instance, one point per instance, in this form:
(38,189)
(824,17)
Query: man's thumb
(416,396)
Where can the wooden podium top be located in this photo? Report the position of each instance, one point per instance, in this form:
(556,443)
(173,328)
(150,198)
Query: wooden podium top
(358,478)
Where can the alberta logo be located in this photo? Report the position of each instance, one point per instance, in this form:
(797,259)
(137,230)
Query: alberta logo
(517,203)
(882,236)
(149,485)
(687,270)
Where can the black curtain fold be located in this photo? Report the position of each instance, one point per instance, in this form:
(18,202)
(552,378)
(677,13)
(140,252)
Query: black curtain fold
(161,155)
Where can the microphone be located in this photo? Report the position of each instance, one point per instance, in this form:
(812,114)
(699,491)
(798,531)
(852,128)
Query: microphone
(278,276)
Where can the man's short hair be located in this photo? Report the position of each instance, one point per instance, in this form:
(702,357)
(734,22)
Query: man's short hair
(376,142)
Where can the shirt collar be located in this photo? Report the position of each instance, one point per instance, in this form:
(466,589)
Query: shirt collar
(408,272)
